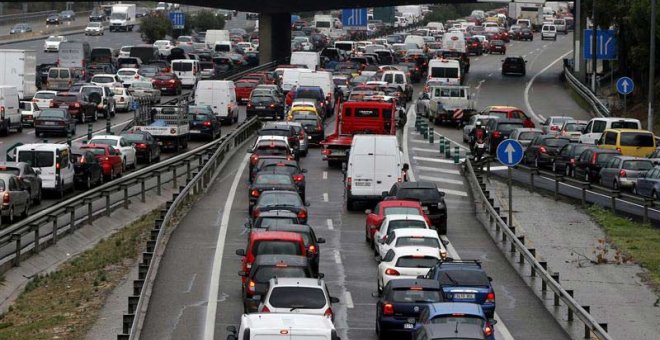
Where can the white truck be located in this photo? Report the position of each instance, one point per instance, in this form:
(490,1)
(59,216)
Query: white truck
(531,10)
(214,36)
(450,104)
(19,68)
(170,125)
(122,17)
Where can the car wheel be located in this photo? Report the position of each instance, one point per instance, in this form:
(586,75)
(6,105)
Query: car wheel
(615,185)
(82,118)
(96,115)
(150,157)
(568,171)
(88,182)
(655,195)
(124,165)
(587,178)
(37,200)
(9,219)
(26,212)
(112,174)
(634,189)
(536,162)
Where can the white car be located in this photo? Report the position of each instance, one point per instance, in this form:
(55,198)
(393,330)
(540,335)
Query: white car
(120,143)
(298,296)
(52,44)
(125,51)
(43,98)
(123,99)
(147,88)
(412,238)
(128,76)
(398,221)
(29,112)
(406,263)
(246,46)
(94,28)
(164,47)
(109,80)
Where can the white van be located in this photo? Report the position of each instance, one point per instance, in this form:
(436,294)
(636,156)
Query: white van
(213,36)
(310,59)
(454,41)
(348,46)
(374,165)
(445,71)
(261,326)
(188,71)
(222,46)
(415,39)
(52,162)
(322,79)
(221,96)
(549,32)
(290,78)
(324,23)
(435,25)
(10,115)
(596,126)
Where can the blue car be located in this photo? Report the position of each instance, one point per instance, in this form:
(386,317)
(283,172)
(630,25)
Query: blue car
(649,184)
(454,320)
(465,281)
(399,306)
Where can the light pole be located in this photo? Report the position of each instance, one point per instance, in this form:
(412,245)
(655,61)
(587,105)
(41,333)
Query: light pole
(652,67)
(594,42)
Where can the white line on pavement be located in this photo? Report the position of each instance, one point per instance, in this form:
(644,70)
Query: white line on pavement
(441,180)
(454,142)
(337,257)
(212,306)
(406,157)
(444,171)
(325,175)
(435,160)
(349,300)
(531,81)
(325,197)
(329,223)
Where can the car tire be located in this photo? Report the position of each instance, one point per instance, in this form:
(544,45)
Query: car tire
(9,219)
(655,195)
(568,172)
(615,185)
(634,189)
(536,162)
(587,178)
(37,200)
(554,167)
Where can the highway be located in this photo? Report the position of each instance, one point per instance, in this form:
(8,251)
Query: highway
(188,301)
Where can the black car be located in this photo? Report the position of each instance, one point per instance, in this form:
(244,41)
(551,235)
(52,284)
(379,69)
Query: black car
(281,200)
(56,121)
(589,163)
(311,241)
(88,171)
(97,16)
(428,195)
(53,19)
(146,146)
(273,218)
(499,130)
(269,181)
(100,68)
(264,106)
(543,149)
(291,168)
(312,124)
(266,267)
(474,46)
(514,65)
(567,156)
(28,177)
(274,129)
(204,125)
(414,71)
(526,34)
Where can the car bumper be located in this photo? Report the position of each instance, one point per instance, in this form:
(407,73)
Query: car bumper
(395,327)
(51,129)
(272,114)
(627,183)
(122,105)
(315,137)
(200,132)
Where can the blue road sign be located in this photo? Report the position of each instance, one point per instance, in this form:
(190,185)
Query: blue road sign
(510,152)
(178,20)
(135,105)
(606,44)
(354,18)
(625,85)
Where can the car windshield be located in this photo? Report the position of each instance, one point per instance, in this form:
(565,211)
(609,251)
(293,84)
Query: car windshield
(405,224)
(603,158)
(103,79)
(637,139)
(273,199)
(461,277)
(422,194)
(416,241)
(624,125)
(53,39)
(276,248)
(262,100)
(416,261)
(37,159)
(556,142)
(273,179)
(297,297)
(640,165)
(96,151)
(110,142)
(44,95)
(264,274)
(276,221)
(574,127)
(52,113)
(89,90)
(94,24)
(414,294)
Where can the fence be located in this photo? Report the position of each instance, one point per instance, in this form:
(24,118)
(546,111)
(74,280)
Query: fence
(596,104)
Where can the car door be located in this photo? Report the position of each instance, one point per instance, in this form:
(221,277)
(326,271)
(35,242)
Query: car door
(127,150)
(19,195)
(530,152)
(607,173)
(29,177)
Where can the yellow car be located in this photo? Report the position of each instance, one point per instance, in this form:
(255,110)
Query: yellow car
(302,109)
(630,142)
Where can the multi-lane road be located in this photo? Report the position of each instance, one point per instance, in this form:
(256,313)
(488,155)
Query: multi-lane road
(197,291)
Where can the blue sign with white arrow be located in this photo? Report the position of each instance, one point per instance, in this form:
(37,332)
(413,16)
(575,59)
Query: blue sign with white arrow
(354,18)
(625,85)
(606,44)
(178,20)
(510,152)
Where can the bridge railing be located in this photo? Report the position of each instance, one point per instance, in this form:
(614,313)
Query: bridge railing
(583,91)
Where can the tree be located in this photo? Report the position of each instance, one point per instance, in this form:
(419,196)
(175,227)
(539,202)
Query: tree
(155,27)
(207,20)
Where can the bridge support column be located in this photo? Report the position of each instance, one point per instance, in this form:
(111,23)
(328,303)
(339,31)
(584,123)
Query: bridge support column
(274,37)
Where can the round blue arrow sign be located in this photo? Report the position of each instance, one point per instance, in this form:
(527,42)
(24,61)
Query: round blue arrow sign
(510,152)
(625,85)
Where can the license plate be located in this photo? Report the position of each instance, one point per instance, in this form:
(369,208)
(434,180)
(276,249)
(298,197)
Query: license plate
(408,326)
(464,296)
(195,131)
(363,183)
(259,107)
(309,137)
(163,89)
(49,123)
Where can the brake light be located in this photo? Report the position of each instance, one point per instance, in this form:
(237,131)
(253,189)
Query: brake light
(298,178)
(6,197)
(488,329)
(554,128)
(207,123)
(497,134)
(255,193)
(254,159)
(328,313)
(572,161)
(312,249)
(172,81)
(57,166)
(594,159)
(256,213)
(622,173)
(543,150)
(302,214)
(326,152)
(272,106)
(105,159)
(490,298)
(249,105)
(252,287)
(141,146)
(349,183)
(391,272)
(618,149)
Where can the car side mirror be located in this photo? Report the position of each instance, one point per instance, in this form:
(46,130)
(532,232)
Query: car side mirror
(37,171)
(378,258)
(442,194)
(320,275)
(240,252)
(490,279)
(334,299)
(231,337)
(384,194)
(307,204)
(320,240)
(367,211)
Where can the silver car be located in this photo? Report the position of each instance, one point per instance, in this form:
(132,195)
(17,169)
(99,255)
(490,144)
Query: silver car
(298,296)
(621,172)
(20,28)
(525,135)
(15,199)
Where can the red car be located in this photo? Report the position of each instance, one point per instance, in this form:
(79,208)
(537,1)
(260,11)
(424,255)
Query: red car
(244,88)
(262,78)
(167,83)
(109,157)
(270,243)
(384,208)
(497,46)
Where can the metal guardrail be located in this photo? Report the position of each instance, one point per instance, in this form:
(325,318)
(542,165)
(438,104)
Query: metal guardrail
(538,268)
(31,17)
(598,107)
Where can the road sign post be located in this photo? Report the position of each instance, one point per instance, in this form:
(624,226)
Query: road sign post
(625,86)
(510,153)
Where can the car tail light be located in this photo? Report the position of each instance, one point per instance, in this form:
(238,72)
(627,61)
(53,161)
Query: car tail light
(312,249)
(52,105)
(6,197)
(543,150)
(137,76)
(326,152)
(172,81)
(302,214)
(254,159)
(319,127)
(256,213)
(488,329)
(255,193)
(392,272)
(105,159)
(572,161)
(78,104)
(249,105)
(207,123)
(554,128)
(388,309)
(252,287)
(298,178)
(328,313)
(272,106)
(141,146)
(349,183)
(622,173)
(265,310)
(618,149)
(490,298)
(497,134)
(594,159)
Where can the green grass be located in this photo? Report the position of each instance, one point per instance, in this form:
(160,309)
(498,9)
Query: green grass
(65,304)
(637,242)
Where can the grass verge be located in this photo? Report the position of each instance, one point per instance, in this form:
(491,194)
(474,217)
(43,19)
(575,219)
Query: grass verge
(638,242)
(65,304)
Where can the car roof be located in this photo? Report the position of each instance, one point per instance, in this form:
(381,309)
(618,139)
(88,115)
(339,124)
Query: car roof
(443,330)
(406,283)
(277,321)
(399,203)
(628,130)
(416,251)
(114,137)
(400,217)
(509,121)
(290,260)
(278,213)
(294,228)
(406,232)
(297,282)
(528,130)
(455,307)
(274,235)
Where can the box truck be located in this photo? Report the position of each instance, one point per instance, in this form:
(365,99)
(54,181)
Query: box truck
(122,17)
(19,68)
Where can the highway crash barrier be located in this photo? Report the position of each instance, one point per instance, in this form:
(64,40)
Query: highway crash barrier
(490,215)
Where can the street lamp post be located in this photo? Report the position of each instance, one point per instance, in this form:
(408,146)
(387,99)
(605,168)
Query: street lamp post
(652,67)
(594,56)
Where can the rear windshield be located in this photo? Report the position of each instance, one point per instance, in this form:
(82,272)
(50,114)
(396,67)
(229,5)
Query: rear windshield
(276,221)
(277,150)
(625,125)
(264,274)
(65,98)
(37,159)
(276,248)
(273,179)
(11,171)
(444,72)
(182,67)
(430,194)
(126,73)
(415,295)
(456,321)
(403,224)
(103,79)
(201,117)
(96,151)
(133,137)
(528,135)
(416,262)
(637,139)
(401,211)
(508,127)
(262,100)
(280,199)
(574,127)
(556,142)
(60,74)
(638,165)
(297,297)
(308,93)
(604,157)
(110,142)
(44,95)
(460,277)
(417,242)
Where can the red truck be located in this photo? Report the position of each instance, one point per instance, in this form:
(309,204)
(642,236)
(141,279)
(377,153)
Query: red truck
(358,117)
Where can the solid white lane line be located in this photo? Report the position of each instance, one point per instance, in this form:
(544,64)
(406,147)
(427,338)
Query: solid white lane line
(441,180)
(349,300)
(444,171)
(406,157)
(426,149)
(329,223)
(434,160)
(454,192)
(337,257)
(325,175)
(214,285)
(531,81)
